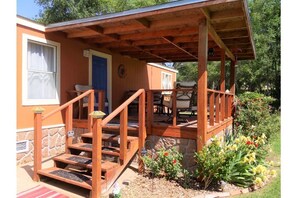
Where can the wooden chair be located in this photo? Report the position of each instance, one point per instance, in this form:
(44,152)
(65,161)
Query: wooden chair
(183,101)
(84,102)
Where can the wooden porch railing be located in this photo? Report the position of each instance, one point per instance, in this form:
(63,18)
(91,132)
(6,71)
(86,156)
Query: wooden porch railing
(220,106)
(150,103)
(219,109)
(123,111)
(101,100)
(95,125)
(38,119)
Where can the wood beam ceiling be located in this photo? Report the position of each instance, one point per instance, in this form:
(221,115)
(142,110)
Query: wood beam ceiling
(215,36)
(170,37)
(169,40)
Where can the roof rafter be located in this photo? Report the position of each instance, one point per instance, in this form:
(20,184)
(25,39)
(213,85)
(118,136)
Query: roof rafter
(215,36)
(169,40)
(144,22)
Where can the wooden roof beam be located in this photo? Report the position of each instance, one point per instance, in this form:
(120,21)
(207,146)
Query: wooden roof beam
(215,36)
(154,55)
(144,22)
(89,31)
(226,14)
(169,40)
(160,33)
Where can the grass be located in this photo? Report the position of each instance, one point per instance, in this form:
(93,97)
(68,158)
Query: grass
(273,189)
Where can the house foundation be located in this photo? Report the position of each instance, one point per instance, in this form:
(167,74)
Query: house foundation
(53,143)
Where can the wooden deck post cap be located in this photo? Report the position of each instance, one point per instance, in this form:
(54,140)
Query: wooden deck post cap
(97,114)
(38,110)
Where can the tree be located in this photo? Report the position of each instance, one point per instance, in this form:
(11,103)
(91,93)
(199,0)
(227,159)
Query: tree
(263,74)
(64,10)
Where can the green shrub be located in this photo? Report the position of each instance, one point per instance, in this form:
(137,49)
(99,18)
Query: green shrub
(252,114)
(243,155)
(270,126)
(164,162)
(241,161)
(210,161)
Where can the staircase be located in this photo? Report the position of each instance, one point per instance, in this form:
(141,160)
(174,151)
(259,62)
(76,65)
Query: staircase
(104,152)
(76,167)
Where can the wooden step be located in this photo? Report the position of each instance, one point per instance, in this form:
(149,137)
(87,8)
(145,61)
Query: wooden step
(109,137)
(107,150)
(116,127)
(84,181)
(84,162)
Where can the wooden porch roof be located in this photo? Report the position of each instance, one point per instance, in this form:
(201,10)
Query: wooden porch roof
(169,32)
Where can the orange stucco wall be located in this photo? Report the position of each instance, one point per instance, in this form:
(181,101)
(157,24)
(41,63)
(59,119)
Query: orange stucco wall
(75,70)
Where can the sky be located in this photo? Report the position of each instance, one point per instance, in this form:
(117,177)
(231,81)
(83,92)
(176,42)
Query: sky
(27,8)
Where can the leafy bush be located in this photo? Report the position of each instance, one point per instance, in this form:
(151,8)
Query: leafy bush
(242,155)
(164,162)
(252,114)
(240,161)
(210,161)
(270,126)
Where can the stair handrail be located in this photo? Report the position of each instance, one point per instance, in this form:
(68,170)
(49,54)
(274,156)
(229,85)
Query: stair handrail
(38,118)
(86,93)
(123,111)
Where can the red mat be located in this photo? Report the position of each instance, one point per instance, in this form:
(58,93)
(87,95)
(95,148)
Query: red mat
(40,192)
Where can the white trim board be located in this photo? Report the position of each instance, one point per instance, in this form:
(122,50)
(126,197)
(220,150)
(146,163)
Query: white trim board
(109,74)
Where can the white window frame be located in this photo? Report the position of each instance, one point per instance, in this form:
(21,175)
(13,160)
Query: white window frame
(169,74)
(25,101)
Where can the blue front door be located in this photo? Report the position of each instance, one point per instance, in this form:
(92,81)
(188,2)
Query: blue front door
(99,76)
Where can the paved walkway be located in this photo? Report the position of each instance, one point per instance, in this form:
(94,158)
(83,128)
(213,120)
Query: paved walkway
(24,181)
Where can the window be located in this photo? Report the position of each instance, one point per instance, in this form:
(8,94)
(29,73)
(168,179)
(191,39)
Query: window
(40,71)
(166,81)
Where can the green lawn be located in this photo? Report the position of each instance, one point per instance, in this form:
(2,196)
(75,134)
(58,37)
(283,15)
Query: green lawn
(273,189)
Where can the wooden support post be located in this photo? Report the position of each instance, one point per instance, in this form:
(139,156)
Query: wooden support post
(37,141)
(174,110)
(68,127)
(150,111)
(232,85)
(123,134)
(232,77)
(222,84)
(90,110)
(96,153)
(142,132)
(202,85)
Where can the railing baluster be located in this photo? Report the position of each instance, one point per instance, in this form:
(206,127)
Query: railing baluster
(222,106)
(123,134)
(217,120)
(37,141)
(150,111)
(211,109)
(90,110)
(174,113)
(68,126)
(101,101)
(230,105)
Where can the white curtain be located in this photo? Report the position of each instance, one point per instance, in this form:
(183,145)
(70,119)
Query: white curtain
(41,71)
(166,81)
